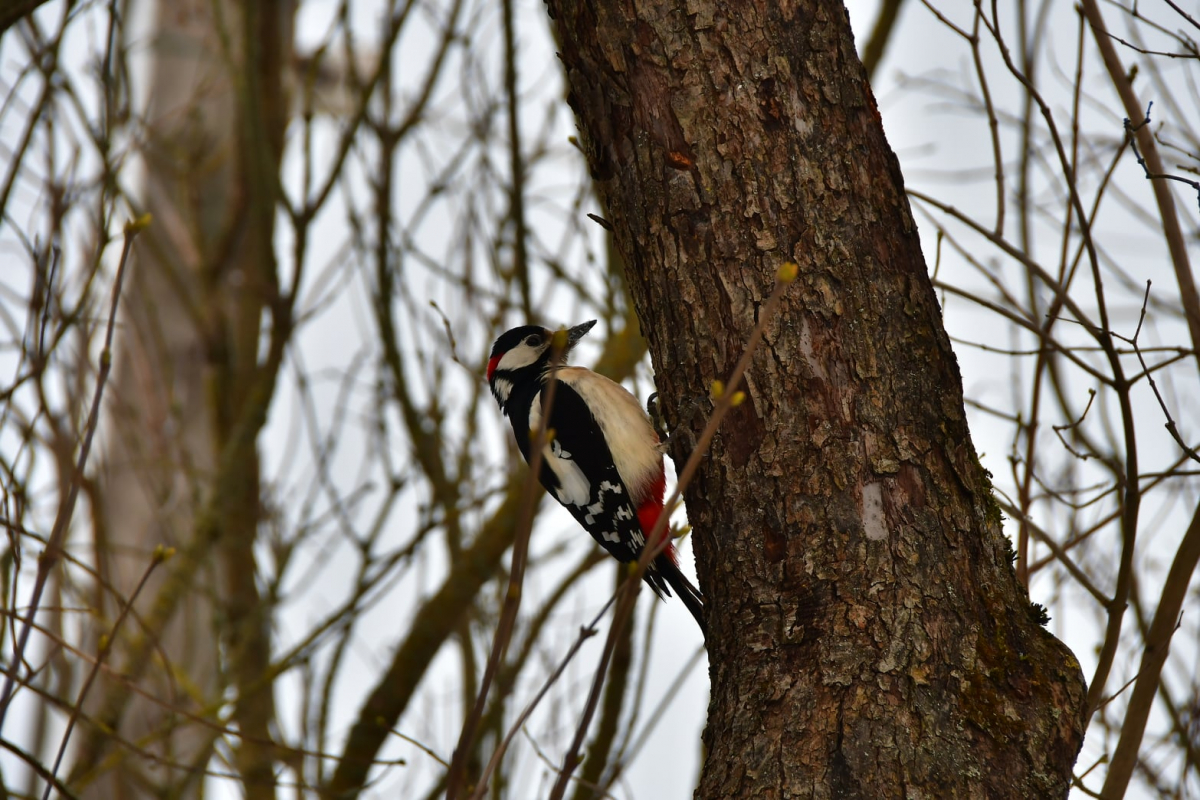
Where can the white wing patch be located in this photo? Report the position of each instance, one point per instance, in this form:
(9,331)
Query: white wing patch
(574,488)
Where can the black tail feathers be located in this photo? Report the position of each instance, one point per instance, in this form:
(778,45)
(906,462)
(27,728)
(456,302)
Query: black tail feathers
(664,573)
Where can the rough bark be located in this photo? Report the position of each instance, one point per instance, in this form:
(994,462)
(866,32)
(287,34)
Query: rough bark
(868,635)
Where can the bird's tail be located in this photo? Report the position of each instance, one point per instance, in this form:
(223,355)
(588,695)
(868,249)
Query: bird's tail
(667,570)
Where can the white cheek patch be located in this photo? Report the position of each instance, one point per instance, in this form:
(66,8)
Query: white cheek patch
(520,356)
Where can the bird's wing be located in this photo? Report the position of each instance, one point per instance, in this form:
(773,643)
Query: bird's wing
(578,470)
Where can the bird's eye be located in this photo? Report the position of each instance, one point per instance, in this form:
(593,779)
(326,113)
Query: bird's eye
(534,340)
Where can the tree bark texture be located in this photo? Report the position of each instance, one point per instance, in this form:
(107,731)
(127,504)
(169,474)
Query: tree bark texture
(868,635)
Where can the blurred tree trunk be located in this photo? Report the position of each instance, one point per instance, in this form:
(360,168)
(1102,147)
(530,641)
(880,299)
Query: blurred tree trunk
(188,399)
(868,635)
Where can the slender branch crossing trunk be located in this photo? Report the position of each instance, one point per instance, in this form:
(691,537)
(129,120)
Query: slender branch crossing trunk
(869,636)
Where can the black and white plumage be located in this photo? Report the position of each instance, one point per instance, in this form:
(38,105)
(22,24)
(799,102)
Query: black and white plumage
(604,462)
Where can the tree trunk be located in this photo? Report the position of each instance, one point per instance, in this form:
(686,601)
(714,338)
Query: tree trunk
(868,635)
(181,467)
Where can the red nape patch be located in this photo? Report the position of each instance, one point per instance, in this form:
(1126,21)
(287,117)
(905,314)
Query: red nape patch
(492,362)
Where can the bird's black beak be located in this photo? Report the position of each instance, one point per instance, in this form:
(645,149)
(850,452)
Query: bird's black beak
(578,332)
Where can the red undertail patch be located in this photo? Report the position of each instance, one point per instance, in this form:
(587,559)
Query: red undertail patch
(651,509)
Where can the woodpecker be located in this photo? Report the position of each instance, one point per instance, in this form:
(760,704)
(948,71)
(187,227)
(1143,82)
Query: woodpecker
(604,462)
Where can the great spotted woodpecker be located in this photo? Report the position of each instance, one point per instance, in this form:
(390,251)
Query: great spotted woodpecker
(604,461)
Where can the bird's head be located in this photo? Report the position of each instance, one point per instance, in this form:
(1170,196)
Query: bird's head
(524,353)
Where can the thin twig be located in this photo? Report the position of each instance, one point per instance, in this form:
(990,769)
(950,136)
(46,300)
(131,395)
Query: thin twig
(1058,429)
(585,633)
(1130,133)
(53,552)
(516,163)
(161,554)
(37,767)
(1171,427)
(657,715)
(1172,229)
(726,397)
(512,598)
(1060,554)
